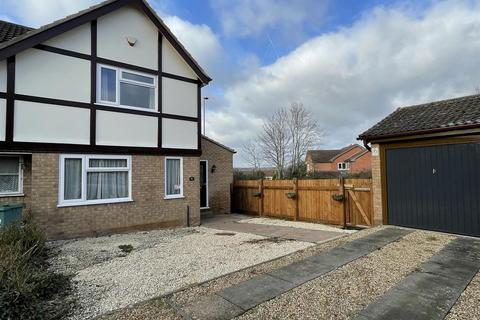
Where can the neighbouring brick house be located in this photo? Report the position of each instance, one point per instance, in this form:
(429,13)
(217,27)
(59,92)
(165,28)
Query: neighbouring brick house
(100,122)
(353,158)
(216,176)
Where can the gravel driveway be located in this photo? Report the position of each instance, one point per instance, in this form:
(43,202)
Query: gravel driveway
(161,261)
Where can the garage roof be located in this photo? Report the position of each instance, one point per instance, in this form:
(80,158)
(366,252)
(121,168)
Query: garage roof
(444,115)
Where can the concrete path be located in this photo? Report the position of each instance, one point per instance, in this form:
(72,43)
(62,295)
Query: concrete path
(432,291)
(229,222)
(235,300)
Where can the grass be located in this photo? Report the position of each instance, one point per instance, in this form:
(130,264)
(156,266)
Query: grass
(28,288)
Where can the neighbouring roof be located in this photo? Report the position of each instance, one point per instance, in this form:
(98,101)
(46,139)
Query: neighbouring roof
(356,156)
(451,114)
(19,38)
(324,156)
(9,30)
(268,171)
(218,144)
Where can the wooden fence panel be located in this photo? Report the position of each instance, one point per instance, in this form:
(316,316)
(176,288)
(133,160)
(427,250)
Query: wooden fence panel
(275,201)
(243,199)
(313,201)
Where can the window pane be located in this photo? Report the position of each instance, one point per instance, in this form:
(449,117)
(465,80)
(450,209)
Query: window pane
(137,96)
(8,183)
(73,179)
(136,77)
(107,163)
(107,185)
(173,183)
(9,165)
(108,85)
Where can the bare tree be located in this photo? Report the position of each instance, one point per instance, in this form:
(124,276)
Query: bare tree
(304,133)
(275,140)
(252,154)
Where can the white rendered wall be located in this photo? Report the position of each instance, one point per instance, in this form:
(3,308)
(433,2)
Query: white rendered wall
(121,129)
(77,39)
(179,97)
(37,122)
(3,112)
(173,63)
(179,134)
(3,76)
(113,30)
(46,74)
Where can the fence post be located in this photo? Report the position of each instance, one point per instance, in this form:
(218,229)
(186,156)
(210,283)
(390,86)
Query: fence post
(260,199)
(295,190)
(343,203)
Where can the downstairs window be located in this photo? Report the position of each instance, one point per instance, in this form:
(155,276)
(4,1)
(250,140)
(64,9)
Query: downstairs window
(10,175)
(94,179)
(173,177)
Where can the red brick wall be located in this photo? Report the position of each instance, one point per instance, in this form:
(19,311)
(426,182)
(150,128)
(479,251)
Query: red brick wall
(363,163)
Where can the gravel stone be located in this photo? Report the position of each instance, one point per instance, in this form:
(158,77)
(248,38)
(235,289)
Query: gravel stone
(161,261)
(296,224)
(191,294)
(468,305)
(354,286)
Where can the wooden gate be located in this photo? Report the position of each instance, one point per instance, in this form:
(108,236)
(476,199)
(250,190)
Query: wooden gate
(331,201)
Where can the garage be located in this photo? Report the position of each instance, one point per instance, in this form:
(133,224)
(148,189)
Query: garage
(425,166)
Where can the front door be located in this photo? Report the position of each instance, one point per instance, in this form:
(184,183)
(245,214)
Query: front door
(203,184)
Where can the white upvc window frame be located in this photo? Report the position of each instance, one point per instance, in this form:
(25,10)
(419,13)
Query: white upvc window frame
(85,170)
(343,166)
(20,177)
(173,196)
(118,79)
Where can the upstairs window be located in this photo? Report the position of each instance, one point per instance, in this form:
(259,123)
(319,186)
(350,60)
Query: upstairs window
(343,166)
(10,175)
(126,88)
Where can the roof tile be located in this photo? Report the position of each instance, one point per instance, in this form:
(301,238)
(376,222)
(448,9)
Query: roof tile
(451,113)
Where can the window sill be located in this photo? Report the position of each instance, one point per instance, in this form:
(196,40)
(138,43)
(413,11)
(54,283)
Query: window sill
(94,202)
(117,106)
(174,197)
(6,195)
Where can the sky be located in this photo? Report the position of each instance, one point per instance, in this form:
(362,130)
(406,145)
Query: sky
(349,62)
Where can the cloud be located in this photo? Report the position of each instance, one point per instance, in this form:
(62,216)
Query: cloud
(353,77)
(201,42)
(251,17)
(34,13)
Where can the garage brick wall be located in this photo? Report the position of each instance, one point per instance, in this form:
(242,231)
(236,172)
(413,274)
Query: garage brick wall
(148,210)
(218,182)
(377,187)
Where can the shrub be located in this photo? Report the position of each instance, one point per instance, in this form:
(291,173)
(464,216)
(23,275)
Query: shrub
(28,289)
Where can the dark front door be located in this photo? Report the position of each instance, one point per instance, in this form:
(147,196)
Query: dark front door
(435,187)
(203,184)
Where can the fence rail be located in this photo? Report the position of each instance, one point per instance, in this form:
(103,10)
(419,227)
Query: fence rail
(332,201)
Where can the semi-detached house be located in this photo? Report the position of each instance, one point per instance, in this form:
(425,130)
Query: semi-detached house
(100,122)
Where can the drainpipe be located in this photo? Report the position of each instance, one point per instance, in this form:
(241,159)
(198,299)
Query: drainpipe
(188,216)
(365,144)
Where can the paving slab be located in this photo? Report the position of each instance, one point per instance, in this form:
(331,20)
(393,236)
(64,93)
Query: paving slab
(255,291)
(434,289)
(262,288)
(212,307)
(230,222)
(302,271)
